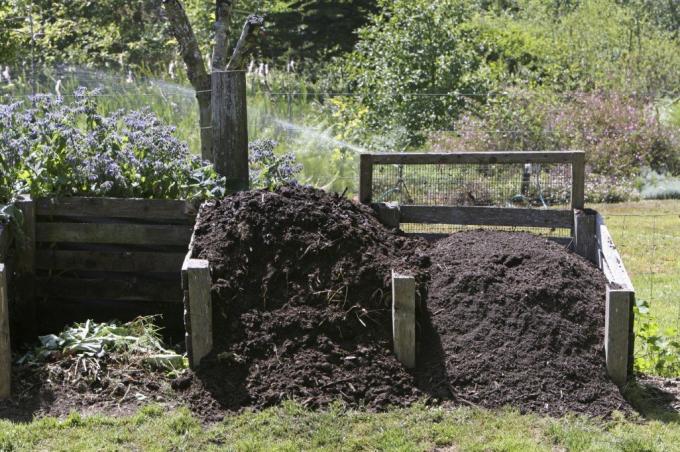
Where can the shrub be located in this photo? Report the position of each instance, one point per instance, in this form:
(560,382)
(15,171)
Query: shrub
(619,133)
(55,148)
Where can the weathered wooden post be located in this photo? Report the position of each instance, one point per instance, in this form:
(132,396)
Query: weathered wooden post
(197,282)
(404,318)
(585,235)
(578,170)
(25,267)
(5,348)
(229,109)
(230,128)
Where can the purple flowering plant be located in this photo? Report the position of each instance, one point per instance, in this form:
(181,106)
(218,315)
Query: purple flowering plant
(268,169)
(52,148)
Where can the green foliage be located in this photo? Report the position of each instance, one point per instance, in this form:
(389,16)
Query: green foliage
(314,30)
(619,133)
(61,149)
(111,33)
(269,170)
(413,47)
(659,350)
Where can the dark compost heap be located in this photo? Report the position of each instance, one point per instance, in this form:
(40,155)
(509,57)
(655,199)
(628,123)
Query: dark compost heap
(514,319)
(302,300)
(302,310)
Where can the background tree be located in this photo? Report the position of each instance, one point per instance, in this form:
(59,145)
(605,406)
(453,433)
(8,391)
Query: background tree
(197,69)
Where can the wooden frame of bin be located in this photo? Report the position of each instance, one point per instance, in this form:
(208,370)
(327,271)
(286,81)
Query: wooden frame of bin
(589,236)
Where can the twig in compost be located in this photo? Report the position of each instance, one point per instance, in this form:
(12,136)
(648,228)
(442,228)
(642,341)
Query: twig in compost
(344,380)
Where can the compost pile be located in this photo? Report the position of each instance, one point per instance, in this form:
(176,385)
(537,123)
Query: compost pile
(302,311)
(514,319)
(302,300)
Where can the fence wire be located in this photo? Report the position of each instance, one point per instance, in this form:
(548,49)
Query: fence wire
(490,185)
(648,245)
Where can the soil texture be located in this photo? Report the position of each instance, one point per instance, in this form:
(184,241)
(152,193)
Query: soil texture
(514,319)
(302,300)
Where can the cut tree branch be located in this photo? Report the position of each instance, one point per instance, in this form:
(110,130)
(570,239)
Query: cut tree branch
(252,30)
(223,9)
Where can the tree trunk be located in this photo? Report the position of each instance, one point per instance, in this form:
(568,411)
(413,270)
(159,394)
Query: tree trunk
(223,10)
(191,54)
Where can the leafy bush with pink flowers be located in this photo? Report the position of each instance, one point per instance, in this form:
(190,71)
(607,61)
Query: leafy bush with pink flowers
(620,134)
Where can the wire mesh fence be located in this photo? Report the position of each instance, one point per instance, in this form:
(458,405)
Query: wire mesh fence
(649,245)
(497,185)
(504,185)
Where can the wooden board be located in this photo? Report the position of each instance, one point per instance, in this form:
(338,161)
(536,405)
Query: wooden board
(610,259)
(144,209)
(435,158)
(123,234)
(4,242)
(491,216)
(122,261)
(618,338)
(113,287)
(200,327)
(5,348)
(404,318)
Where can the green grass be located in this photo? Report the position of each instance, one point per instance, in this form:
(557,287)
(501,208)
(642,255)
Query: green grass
(647,234)
(291,427)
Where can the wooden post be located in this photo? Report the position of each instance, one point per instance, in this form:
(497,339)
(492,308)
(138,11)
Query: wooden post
(25,268)
(5,348)
(198,310)
(365,178)
(230,128)
(578,169)
(388,214)
(617,343)
(404,318)
(585,236)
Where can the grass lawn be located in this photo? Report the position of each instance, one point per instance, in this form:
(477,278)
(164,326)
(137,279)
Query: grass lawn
(647,234)
(291,427)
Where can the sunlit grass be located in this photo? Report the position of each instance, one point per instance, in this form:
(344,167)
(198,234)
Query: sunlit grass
(647,234)
(291,427)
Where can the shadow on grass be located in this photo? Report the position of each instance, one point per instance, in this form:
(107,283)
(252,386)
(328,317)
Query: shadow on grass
(652,401)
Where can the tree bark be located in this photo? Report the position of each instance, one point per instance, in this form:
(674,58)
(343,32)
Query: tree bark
(252,29)
(223,9)
(196,71)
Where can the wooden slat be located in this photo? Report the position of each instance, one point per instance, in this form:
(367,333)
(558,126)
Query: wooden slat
(137,261)
(5,348)
(4,242)
(436,158)
(611,261)
(113,288)
(489,216)
(143,209)
(124,234)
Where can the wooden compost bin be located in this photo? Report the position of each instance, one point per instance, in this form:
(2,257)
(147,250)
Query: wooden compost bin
(588,236)
(100,258)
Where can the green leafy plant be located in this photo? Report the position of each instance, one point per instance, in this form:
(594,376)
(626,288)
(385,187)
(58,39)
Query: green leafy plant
(90,346)
(54,148)
(659,351)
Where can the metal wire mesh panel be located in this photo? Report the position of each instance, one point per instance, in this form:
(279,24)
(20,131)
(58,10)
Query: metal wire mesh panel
(537,185)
